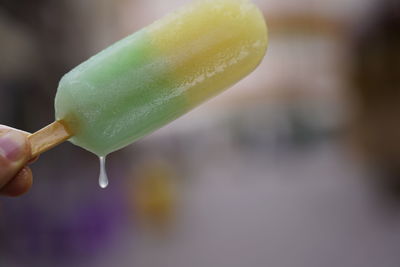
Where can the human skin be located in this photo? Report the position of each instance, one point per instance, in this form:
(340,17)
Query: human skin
(15,154)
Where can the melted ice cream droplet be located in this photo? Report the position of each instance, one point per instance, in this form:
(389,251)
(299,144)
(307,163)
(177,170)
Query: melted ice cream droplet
(103,179)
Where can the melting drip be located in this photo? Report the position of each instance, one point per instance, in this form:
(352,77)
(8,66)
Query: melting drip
(103,179)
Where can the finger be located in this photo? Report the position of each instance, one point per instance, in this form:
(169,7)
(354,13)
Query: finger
(20,184)
(5,129)
(14,154)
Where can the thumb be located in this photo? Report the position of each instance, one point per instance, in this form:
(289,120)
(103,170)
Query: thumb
(14,154)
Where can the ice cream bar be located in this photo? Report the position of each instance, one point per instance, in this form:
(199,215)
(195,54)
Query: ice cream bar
(159,73)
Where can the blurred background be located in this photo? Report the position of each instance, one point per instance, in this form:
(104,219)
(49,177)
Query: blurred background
(297,165)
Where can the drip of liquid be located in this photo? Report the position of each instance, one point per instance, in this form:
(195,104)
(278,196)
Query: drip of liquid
(103,179)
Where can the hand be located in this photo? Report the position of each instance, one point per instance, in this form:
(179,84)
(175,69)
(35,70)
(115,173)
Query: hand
(15,153)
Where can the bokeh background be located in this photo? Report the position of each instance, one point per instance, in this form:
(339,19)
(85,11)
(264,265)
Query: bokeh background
(297,165)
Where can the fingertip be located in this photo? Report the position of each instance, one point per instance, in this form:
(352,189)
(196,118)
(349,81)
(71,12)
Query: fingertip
(20,184)
(15,147)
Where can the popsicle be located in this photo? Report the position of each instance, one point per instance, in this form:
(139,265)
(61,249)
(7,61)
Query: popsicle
(155,75)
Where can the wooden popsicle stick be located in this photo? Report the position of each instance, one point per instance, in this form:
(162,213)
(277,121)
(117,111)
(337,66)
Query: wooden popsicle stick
(48,137)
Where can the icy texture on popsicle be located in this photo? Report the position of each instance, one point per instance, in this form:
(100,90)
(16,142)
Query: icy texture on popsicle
(161,72)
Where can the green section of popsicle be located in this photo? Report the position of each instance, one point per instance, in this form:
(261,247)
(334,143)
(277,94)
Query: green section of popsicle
(116,95)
